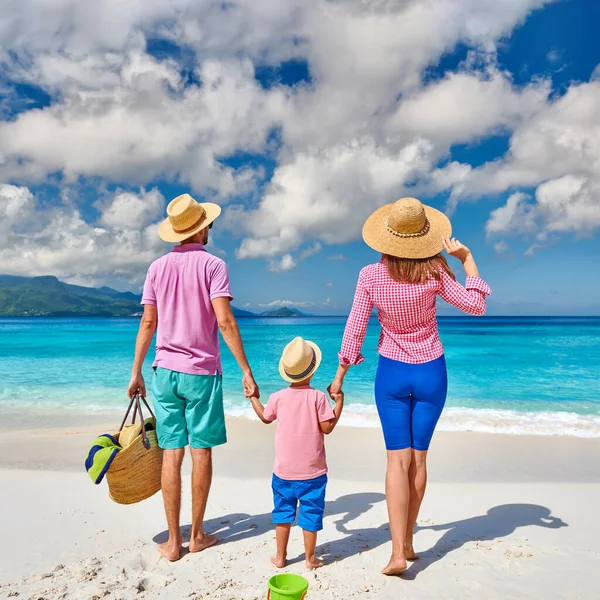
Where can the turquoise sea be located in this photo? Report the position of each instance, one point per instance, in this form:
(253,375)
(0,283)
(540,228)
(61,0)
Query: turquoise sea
(519,375)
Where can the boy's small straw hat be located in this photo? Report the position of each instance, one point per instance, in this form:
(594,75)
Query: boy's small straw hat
(186,217)
(407,229)
(300,360)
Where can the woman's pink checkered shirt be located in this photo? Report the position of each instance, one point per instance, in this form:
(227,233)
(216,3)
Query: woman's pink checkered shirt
(407,314)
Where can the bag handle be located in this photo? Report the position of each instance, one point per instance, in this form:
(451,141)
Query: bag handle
(137,409)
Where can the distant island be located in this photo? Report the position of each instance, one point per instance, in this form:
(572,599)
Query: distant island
(47,296)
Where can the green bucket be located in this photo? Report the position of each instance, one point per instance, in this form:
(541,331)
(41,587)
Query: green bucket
(287,587)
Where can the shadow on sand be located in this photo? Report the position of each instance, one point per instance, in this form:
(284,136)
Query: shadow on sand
(498,522)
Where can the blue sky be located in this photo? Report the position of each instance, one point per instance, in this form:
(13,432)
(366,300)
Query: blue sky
(300,119)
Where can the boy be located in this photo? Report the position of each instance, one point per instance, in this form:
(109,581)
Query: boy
(304,415)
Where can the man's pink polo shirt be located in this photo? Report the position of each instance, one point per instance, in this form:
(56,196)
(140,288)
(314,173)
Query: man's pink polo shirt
(181,285)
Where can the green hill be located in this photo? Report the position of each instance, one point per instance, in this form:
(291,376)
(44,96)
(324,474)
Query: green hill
(49,297)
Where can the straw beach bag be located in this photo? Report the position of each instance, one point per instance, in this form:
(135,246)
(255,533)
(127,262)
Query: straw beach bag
(134,474)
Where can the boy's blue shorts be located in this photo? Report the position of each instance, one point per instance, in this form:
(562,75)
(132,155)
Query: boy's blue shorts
(310,493)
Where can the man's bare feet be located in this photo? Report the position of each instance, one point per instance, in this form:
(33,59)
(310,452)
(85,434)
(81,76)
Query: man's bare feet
(312,562)
(202,542)
(278,561)
(409,552)
(396,566)
(171,550)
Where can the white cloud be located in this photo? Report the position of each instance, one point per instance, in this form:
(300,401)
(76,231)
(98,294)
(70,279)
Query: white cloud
(285,263)
(501,247)
(365,131)
(133,211)
(337,257)
(147,124)
(40,240)
(465,106)
(516,216)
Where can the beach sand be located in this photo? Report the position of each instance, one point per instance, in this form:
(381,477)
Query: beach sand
(504,517)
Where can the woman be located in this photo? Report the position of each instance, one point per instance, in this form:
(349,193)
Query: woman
(411,380)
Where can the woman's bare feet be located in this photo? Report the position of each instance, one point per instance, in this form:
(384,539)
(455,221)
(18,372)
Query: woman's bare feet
(171,549)
(396,566)
(202,542)
(279,560)
(312,562)
(409,552)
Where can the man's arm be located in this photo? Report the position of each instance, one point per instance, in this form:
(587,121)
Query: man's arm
(231,334)
(148,326)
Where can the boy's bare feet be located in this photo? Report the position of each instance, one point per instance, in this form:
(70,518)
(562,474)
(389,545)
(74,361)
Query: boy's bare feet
(278,560)
(312,562)
(171,549)
(396,566)
(202,542)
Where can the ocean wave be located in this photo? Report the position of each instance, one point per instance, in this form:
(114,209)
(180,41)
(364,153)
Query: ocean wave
(483,420)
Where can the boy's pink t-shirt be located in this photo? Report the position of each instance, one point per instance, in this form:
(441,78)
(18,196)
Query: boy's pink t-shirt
(182,285)
(299,441)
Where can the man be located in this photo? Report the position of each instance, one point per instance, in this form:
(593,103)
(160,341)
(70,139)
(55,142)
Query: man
(187,297)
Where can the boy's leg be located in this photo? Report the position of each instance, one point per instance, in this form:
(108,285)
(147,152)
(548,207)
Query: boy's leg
(284,514)
(312,509)
(282,536)
(310,546)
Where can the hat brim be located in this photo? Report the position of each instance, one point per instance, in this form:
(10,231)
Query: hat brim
(378,237)
(318,357)
(168,234)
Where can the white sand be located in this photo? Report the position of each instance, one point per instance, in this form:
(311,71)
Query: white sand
(485,531)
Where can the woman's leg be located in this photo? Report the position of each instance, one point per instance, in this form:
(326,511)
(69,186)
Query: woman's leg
(417,482)
(397,495)
(394,407)
(429,396)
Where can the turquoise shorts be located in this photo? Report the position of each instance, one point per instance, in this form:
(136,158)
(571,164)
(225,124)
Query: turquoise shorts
(189,409)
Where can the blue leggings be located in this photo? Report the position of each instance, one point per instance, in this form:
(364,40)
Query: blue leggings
(410,399)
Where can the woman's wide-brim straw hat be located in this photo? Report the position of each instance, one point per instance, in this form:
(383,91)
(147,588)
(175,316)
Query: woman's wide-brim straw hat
(300,360)
(407,229)
(186,217)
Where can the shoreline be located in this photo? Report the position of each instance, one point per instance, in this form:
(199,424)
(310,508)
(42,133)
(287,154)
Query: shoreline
(356,415)
(62,446)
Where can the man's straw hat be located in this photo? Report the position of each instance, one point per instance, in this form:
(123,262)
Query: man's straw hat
(300,360)
(407,229)
(186,218)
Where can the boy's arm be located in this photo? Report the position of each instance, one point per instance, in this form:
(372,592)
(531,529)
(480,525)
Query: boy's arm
(259,409)
(328,426)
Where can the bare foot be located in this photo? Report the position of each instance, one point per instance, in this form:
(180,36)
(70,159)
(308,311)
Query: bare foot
(171,550)
(312,562)
(409,552)
(278,561)
(202,542)
(396,566)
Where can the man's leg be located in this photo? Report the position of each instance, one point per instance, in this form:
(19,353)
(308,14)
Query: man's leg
(173,438)
(171,490)
(205,419)
(201,480)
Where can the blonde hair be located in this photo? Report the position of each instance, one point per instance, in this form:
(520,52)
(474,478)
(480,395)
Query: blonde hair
(417,270)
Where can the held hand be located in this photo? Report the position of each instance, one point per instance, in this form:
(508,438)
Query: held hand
(335,389)
(454,248)
(339,397)
(136,385)
(250,386)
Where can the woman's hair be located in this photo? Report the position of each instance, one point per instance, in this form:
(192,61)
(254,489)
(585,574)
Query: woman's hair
(417,270)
